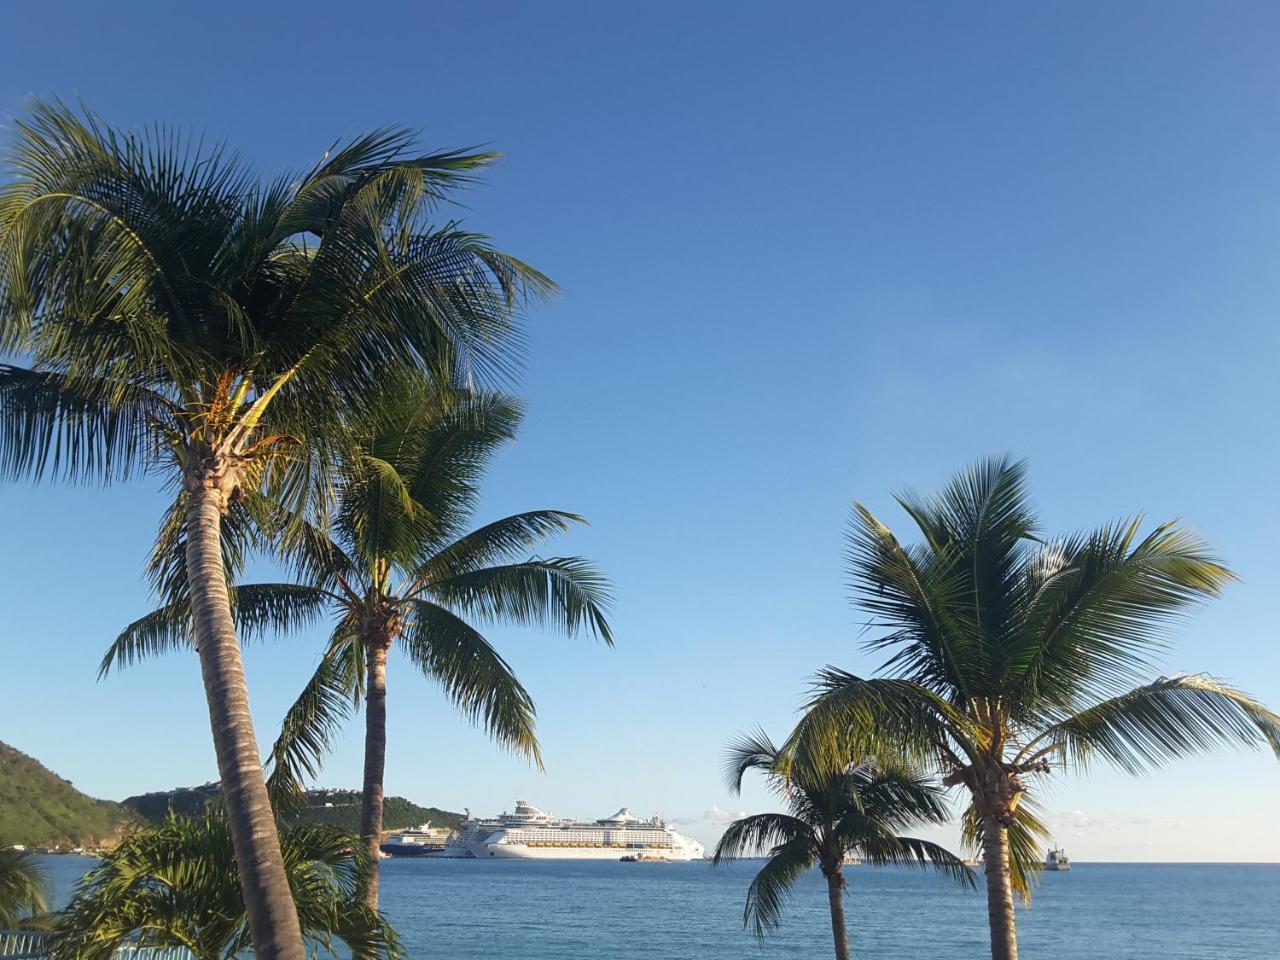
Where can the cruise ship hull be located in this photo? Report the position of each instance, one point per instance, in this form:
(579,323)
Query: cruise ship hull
(531,834)
(520,851)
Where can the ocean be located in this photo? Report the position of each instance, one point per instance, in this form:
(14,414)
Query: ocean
(548,910)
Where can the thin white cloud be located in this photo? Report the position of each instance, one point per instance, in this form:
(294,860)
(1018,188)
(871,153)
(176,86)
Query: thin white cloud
(723,816)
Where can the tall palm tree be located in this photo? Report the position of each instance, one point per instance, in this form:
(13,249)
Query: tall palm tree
(23,886)
(855,811)
(175,884)
(403,569)
(181,317)
(1012,655)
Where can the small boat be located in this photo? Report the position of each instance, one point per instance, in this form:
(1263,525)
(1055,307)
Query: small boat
(852,862)
(971,862)
(1057,859)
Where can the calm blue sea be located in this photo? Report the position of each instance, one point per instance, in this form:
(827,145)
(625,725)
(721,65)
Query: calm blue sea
(511,910)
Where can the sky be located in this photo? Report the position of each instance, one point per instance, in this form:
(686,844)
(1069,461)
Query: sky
(810,253)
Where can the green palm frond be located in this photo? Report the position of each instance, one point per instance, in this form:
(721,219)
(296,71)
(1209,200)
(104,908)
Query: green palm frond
(411,476)
(920,597)
(914,852)
(176,884)
(305,548)
(314,720)
(378,515)
(1097,606)
(495,542)
(161,631)
(259,609)
(762,832)
(568,593)
(771,888)
(897,798)
(474,676)
(1169,718)
(752,751)
(276,608)
(54,425)
(1028,836)
(983,523)
(24,887)
(895,721)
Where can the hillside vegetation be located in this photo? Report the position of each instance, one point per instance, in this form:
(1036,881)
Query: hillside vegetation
(38,808)
(341,808)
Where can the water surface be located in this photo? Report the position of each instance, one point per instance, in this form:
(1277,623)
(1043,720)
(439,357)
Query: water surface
(547,910)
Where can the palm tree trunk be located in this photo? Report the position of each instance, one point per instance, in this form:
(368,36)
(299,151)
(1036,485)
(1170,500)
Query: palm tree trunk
(375,762)
(273,919)
(839,932)
(1004,933)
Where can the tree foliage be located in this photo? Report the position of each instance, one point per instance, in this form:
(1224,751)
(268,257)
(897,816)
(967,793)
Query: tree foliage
(175,884)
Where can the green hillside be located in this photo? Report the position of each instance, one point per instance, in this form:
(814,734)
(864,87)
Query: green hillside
(183,800)
(342,809)
(40,809)
(338,807)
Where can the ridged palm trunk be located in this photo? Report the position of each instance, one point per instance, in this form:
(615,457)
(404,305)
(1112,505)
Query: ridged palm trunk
(273,919)
(1004,933)
(835,895)
(375,760)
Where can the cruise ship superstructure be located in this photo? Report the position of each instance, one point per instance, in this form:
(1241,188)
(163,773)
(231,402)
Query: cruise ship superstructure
(532,834)
(423,841)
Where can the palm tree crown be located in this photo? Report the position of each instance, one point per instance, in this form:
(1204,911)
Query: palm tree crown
(23,886)
(175,885)
(855,811)
(1010,654)
(401,568)
(181,316)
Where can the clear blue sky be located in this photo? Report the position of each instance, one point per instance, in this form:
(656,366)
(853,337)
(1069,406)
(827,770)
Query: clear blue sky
(809,253)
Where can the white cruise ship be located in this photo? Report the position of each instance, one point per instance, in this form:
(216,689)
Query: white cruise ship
(423,841)
(531,834)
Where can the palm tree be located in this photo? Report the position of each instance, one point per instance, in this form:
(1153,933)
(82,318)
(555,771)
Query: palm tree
(402,569)
(855,811)
(1011,654)
(175,884)
(182,318)
(23,885)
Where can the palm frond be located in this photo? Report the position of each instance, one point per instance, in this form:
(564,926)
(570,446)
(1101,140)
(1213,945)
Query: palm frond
(176,884)
(259,608)
(982,524)
(771,888)
(568,593)
(897,798)
(314,720)
(1027,838)
(24,887)
(161,631)
(1098,604)
(921,597)
(1169,718)
(495,542)
(749,836)
(474,676)
(914,852)
(752,751)
(898,722)
(262,608)
(167,565)
(58,426)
